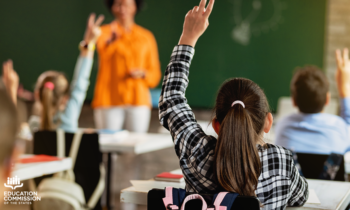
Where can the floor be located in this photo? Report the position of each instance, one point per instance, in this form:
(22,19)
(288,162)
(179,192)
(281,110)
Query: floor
(127,166)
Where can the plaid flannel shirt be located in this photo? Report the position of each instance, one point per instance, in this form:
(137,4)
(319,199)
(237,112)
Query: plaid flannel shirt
(280,183)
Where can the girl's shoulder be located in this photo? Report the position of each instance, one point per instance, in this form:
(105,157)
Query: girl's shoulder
(275,160)
(273,148)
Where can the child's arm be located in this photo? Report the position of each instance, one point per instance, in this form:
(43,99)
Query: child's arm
(194,148)
(343,83)
(10,79)
(80,83)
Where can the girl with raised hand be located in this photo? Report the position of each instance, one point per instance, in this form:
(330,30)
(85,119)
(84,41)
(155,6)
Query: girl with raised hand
(60,103)
(239,160)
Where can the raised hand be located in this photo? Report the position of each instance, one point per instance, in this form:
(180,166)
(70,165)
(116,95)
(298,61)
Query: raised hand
(342,75)
(10,79)
(196,22)
(93,30)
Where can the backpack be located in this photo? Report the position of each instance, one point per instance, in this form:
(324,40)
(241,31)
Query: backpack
(176,199)
(61,191)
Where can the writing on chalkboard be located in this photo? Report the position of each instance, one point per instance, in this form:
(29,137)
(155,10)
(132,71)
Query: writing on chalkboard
(246,24)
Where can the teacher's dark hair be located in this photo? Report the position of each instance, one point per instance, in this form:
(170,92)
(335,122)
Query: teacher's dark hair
(109,4)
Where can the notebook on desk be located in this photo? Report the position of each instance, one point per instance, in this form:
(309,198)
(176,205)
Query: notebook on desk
(170,177)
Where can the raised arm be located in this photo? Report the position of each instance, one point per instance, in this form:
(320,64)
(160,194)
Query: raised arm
(80,83)
(193,147)
(10,79)
(343,83)
(174,112)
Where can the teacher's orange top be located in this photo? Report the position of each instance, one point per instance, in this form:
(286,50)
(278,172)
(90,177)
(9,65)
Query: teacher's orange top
(129,50)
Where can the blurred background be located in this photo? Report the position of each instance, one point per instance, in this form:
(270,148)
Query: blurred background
(263,40)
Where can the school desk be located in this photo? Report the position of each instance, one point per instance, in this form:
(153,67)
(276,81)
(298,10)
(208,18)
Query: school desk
(34,170)
(136,144)
(332,195)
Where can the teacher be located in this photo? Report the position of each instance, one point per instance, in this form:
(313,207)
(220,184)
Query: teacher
(128,67)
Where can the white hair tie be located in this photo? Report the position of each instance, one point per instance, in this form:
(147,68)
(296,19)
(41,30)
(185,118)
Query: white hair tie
(238,102)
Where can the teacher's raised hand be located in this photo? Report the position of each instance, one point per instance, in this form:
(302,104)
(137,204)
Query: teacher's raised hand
(196,22)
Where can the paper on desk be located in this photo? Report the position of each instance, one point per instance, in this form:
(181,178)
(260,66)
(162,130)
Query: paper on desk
(177,171)
(313,197)
(148,185)
(347,161)
(117,136)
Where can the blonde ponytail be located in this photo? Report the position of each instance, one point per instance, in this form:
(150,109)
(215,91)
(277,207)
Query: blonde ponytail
(48,110)
(52,89)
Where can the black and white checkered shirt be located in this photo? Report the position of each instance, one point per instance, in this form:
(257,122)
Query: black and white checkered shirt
(279,183)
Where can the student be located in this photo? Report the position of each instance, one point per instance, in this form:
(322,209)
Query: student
(238,161)
(311,130)
(8,127)
(60,105)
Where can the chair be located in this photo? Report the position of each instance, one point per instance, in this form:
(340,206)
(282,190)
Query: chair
(88,161)
(312,166)
(155,202)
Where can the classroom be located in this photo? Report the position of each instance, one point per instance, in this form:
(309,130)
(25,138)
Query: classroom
(168,105)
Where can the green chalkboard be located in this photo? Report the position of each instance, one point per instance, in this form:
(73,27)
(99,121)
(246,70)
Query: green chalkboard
(263,40)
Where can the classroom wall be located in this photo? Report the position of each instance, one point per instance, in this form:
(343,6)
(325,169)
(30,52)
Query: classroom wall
(337,36)
(41,35)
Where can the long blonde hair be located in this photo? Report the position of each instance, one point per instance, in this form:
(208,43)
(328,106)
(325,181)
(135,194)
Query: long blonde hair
(53,88)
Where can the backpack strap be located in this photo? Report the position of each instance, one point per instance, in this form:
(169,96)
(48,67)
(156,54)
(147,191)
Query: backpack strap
(224,200)
(195,197)
(169,199)
(173,197)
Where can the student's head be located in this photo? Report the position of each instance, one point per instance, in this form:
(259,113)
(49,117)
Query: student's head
(239,130)
(53,95)
(124,9)
(310,89)
(8,130)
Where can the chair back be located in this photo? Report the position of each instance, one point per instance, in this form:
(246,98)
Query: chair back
(314,165)
(155,201)
(87,165)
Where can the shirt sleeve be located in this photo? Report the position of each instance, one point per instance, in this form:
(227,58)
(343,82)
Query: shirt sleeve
(79,86)
(153,72)
(299,189)
(345,110)
(193,147)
